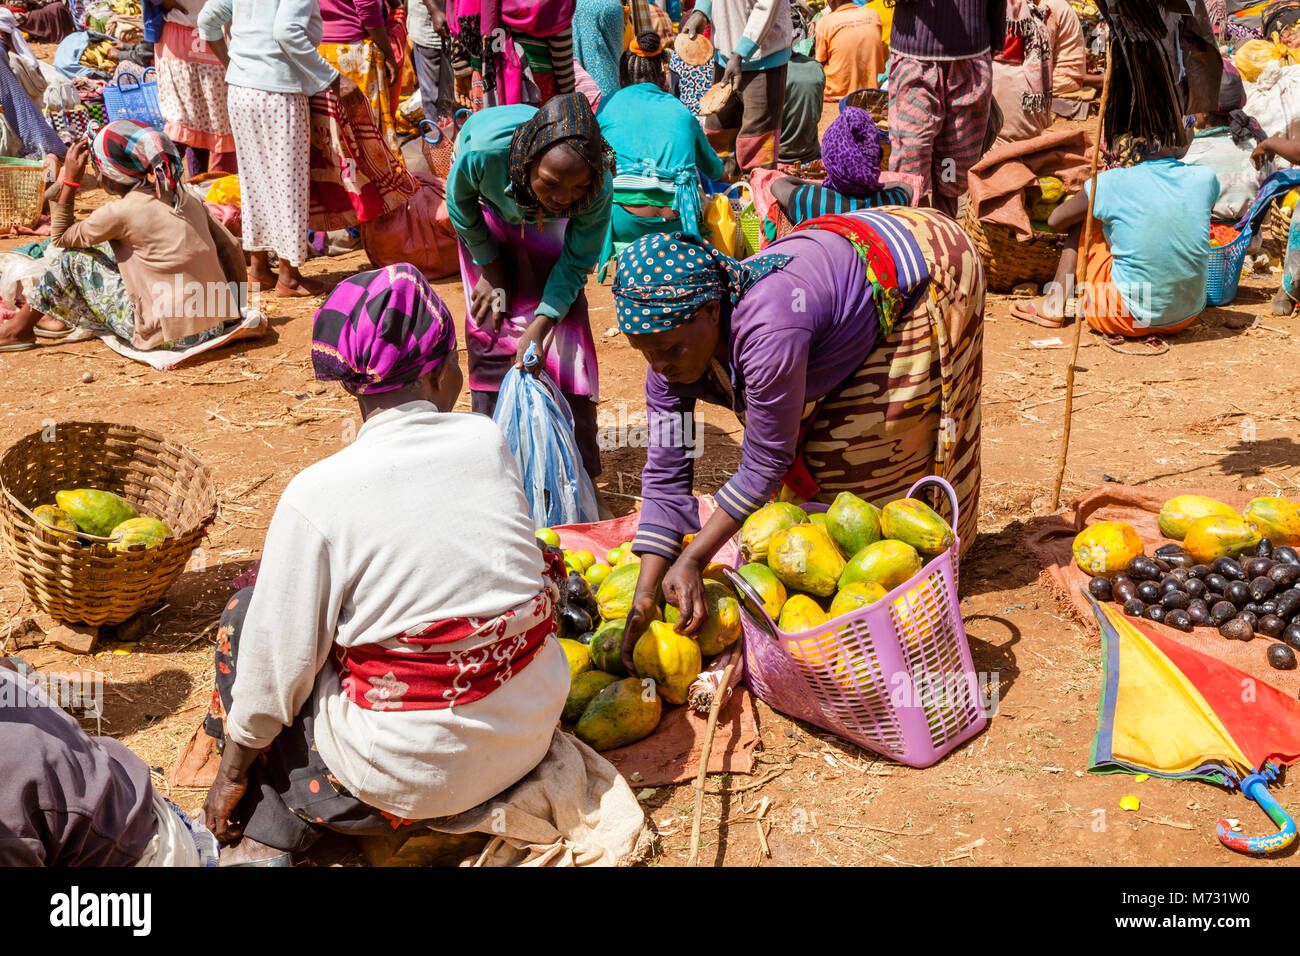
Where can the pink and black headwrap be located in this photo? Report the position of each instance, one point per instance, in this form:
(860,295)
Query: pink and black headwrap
(381,330)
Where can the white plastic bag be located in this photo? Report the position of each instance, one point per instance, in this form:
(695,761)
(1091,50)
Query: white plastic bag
(538,426)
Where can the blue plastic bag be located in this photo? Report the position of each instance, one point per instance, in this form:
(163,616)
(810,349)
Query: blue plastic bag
(538,426)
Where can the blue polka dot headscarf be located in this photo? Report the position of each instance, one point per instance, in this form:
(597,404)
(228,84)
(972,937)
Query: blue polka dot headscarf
(664,278)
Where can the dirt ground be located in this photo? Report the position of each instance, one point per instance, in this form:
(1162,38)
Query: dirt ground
(1218,410)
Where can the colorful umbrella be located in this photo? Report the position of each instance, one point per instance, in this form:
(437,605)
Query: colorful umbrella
(1170,711)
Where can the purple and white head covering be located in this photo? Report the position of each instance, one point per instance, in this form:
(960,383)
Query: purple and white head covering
(381,330)
(851,153)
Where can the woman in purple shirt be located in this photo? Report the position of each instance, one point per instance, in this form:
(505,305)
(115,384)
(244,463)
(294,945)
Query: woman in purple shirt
(788,340)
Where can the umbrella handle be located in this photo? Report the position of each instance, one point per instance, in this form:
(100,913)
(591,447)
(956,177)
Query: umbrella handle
(1256,788)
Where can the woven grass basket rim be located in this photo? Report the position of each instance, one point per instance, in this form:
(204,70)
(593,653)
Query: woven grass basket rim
(176,533)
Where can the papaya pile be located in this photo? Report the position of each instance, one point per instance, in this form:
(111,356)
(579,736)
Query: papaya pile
(808,569)
(103,514)
(608,707)
(1239,573)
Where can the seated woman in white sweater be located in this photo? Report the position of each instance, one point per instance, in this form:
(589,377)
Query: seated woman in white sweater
(393,660)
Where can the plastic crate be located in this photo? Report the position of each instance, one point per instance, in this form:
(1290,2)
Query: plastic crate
(895,677)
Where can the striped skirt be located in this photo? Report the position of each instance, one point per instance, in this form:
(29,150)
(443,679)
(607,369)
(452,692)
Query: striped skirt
(913,408)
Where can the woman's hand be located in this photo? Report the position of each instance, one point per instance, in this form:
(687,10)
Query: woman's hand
(75,163)
(223,797)
(684,589)
(489,300)
(644,605)
(536,333)
(694,23)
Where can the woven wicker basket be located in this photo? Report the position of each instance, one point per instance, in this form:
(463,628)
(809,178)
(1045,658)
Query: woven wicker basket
(22,192)
(78,579)
(1278,226)
(1009,261)
(875,102)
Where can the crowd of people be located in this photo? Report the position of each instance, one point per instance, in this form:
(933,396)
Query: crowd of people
(599,137)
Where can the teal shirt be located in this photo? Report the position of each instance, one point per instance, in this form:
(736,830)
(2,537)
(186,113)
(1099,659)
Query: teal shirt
(644,125)
(481,173)
(1156,218)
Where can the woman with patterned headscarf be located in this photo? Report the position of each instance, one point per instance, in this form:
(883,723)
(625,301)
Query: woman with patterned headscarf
(850,350)
(529,195)
(151,266)
(393,662)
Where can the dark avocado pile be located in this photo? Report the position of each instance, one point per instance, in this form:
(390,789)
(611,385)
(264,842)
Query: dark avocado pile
(1242,597)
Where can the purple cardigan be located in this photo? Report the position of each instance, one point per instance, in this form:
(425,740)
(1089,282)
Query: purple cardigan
(948,29)
(792,339)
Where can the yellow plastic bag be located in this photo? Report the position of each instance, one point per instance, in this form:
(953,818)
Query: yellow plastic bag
(1254,55)
(225,191)
(724,227)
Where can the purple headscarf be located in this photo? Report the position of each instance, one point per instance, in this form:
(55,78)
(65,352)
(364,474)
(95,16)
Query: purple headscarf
(851,153)
(381,330)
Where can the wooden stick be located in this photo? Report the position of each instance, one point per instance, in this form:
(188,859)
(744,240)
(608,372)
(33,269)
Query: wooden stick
(1079,269)
(705,750)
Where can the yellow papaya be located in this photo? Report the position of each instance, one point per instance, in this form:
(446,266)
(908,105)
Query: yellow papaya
(614,596)
(582,689)
(577,655)
(133,531)
(1220,536)
(805,558)
(722,629)
(757,531)
(855,595)
(620,714)
(769,587)
(53,517)
(853,523)
(1178,513)
(95,512)
(1106,547)
(1276,518)
(887,563)
(916,523)
(606,648)
(671,660)
(800,613)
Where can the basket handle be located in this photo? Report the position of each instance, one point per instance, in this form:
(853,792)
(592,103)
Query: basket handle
(23,508)
(752,604)
(456,117)
(135,80)
(947,489)
(431,127)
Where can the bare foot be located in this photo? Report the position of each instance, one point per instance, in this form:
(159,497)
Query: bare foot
(249,853)
(1281,304)
(300,287)
(12,334)
(1041,311)
(51,324)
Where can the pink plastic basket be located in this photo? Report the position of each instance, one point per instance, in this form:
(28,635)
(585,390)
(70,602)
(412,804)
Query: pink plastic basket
(895,677)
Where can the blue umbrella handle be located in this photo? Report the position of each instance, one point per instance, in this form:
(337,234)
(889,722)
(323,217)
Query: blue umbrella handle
(1256,788)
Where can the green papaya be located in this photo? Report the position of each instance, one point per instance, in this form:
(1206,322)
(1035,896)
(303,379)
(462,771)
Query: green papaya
(758,529)
(581,691)
(606,648)
(53,518)
(614,596)
(95,512)
(769,587)
(620,714)
(852,522)
(916,523)
(805,558)
(134,531)
(888,563)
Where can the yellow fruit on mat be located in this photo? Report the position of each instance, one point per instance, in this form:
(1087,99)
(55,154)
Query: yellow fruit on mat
(578,656)
(715,571)
(853,523)
(888,563)
(1106,547)
(54,517)
(597,573)
(805,558)
(671,660)
(584,559)
(758,529)
(769,587)
(722,629)
(613,555)
(582,689)
(1276,518)
(1179,512)
(620,714)
(800,613)
(614,596)
(916,523)
(855,595)
(1220,536)
(549,536)
(136,531)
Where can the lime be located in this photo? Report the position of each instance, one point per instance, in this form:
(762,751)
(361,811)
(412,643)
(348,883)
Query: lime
(549,536)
